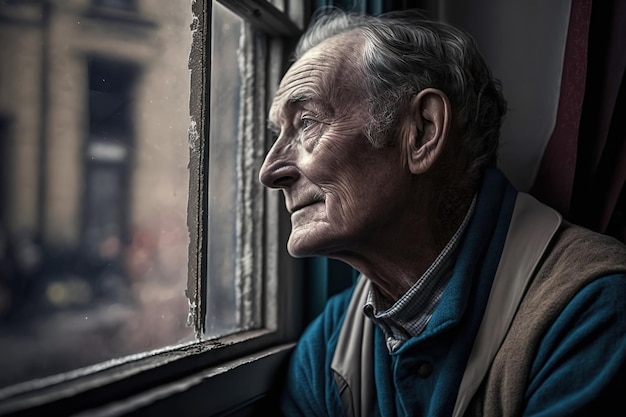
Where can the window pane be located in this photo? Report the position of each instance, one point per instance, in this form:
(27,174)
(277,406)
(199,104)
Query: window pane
(94,115)
(235,206)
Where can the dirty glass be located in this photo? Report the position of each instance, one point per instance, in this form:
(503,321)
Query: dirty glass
(235,202)
(94,119)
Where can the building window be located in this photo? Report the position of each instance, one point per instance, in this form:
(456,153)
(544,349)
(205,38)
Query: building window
(134,229)
(108,161)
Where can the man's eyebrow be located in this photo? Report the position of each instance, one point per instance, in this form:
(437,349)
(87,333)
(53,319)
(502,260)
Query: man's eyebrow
(301,97)
(289,103)
(295,100)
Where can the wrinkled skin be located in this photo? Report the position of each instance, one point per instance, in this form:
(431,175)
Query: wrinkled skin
(347,199)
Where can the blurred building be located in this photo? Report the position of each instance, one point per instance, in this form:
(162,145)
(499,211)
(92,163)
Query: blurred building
(94,115)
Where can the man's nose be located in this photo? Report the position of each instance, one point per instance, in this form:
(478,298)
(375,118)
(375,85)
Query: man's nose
(278,169)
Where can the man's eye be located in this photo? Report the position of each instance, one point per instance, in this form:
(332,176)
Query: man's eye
(306,122)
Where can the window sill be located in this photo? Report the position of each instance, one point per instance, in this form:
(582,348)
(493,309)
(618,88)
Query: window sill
(116,387)
(220,390)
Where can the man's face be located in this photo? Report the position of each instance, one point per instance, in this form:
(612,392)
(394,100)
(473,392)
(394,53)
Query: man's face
(340,191)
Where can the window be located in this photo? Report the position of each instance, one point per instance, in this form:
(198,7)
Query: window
(136,244)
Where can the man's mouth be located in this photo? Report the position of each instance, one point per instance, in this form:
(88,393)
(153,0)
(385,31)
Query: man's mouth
(300,206)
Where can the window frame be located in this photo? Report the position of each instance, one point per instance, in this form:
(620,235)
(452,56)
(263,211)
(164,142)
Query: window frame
(174,374)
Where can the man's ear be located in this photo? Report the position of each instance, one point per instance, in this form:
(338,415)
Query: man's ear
(427,126)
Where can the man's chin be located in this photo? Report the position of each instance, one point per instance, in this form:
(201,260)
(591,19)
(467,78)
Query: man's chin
(300,246)
(303,248)
(299,252)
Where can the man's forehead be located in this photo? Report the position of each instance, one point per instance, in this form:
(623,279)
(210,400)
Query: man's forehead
(310,77)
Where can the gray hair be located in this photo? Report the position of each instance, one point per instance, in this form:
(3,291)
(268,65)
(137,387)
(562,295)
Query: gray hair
(405,52)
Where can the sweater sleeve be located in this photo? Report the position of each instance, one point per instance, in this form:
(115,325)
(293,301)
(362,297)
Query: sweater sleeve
(310,388)
(580,366)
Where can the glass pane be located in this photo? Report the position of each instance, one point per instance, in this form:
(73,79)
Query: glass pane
(94,115)
(235,203)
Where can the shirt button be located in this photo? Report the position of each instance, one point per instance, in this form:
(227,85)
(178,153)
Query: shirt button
(424,370)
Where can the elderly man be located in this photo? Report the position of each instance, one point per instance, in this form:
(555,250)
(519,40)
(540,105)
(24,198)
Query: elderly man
(474,299)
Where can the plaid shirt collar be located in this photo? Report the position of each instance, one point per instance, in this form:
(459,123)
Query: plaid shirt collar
(410,314)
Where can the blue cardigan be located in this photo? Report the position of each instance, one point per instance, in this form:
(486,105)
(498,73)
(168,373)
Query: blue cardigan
(422,377)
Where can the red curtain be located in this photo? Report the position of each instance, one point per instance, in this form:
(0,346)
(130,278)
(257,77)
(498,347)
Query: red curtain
(583,170)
